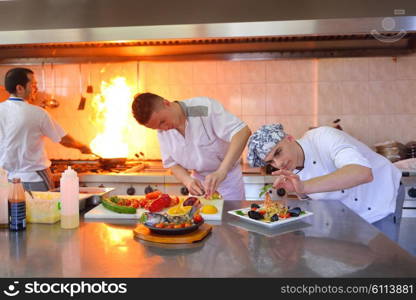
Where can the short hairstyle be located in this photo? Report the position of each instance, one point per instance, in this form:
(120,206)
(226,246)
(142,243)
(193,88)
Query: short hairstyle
(144,105)
(16,76)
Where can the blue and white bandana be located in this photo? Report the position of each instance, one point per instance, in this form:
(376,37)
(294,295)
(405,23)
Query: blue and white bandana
(262,142)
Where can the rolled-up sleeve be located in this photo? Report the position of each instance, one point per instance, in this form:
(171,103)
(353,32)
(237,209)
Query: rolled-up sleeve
(51,129)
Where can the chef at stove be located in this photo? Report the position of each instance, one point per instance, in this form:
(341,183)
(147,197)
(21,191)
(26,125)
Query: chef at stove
(197,134)
(23,127)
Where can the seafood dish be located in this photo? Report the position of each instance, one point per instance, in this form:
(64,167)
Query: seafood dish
(180,219)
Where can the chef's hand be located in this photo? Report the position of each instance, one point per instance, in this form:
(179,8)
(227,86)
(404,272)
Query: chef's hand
(212,181)
(195,187)
(85,149)
(289,181)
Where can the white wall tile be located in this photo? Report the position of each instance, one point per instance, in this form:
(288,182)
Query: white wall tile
(406,68)
(253,72)
(329,98)
(157,73)
(277,99)
(330,69)
(230,96)
(356,126)
(228,72)
(384,98)
(253,99)
(180,73)
(205,72)
(355,97)
(65,75)
(406,95)
(304,70)
(205,90)
(382,68)
(302,97)
(382,128)
(356,69)
(278,71)
(180,92)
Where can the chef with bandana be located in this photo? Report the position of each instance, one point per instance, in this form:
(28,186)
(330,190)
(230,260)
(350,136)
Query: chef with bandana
(327,163)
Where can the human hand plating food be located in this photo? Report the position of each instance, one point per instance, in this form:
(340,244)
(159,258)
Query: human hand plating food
(289,181)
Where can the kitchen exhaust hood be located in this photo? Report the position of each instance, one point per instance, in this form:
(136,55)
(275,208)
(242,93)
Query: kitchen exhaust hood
(100,32)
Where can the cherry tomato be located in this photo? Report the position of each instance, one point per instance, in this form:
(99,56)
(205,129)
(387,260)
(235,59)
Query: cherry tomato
(160,225)
(178,226)
(198,218)
(284,216)
(262,211)
(153,195)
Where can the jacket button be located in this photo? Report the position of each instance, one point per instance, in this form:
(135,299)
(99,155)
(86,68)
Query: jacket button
(369,208)
(314,162)
(355,199)
(342,191)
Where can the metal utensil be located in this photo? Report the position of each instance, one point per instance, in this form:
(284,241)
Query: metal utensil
(82,101)
(90,88)
(30,193)
(52,103)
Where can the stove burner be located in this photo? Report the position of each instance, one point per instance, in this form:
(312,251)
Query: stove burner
(94,166)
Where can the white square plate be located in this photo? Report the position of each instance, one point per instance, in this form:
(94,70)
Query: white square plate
(267,224)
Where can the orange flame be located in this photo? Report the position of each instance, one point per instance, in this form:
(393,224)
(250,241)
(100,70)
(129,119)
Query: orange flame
(113,114)
(119,133)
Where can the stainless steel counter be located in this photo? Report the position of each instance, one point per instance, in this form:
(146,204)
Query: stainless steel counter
(334,242)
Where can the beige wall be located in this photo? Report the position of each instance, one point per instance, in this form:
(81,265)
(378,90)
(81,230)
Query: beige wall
(375,98)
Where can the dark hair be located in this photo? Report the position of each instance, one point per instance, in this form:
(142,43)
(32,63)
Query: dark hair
(144,105)
(16,76)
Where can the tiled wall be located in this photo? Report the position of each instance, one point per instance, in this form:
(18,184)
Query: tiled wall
(375,98)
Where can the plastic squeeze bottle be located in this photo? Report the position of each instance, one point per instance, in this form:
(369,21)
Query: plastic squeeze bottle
(4,194)
(69,199)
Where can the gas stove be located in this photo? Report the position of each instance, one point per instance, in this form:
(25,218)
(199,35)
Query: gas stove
(95,167)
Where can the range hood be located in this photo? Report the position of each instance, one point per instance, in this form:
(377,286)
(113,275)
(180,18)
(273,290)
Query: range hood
(237,36)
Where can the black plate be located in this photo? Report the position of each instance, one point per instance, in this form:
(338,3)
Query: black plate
(173,231)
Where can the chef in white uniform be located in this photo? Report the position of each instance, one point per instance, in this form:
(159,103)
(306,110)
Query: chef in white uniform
(22,129)
(197,134)
(327,163)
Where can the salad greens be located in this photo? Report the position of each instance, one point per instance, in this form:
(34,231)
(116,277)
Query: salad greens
(265,189)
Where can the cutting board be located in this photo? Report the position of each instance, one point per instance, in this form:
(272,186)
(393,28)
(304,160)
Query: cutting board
(100,212)
(144,233)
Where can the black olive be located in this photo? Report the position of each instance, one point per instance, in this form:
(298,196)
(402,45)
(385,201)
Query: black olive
(254,205)
(274,218)
(294,212)
(255,215)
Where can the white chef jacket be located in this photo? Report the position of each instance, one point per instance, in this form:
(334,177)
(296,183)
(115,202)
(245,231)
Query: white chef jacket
(328,149)
(209,129)
(22,129)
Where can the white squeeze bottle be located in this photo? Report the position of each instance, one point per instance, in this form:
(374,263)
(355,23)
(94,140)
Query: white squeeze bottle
(69,199)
